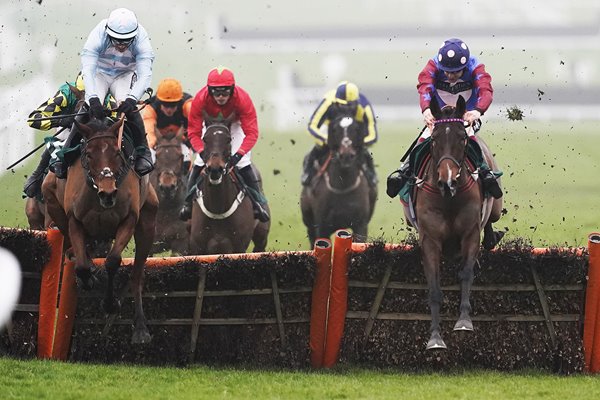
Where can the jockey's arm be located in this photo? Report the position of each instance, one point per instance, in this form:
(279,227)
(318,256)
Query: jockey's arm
(143,63)
(369,118)
(318,118)
(249,124)
(149,116)
(52,107)
(195,123)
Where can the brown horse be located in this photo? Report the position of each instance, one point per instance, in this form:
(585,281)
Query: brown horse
(102,198)
(168,179)
(451,211)
(222,216)
(340,196)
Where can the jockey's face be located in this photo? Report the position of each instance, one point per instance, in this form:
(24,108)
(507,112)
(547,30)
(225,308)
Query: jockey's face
(168,108)
(221,94)
(121,44)
(453,77)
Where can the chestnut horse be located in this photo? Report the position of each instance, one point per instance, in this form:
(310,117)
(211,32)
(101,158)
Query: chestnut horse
(340,196)
(222,216)
(102,198)
(451,211)
(168,179)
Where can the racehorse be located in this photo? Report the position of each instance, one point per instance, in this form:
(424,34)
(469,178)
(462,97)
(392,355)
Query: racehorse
(168,179)
(451,211)
(222,216)
(340,195)
(102,198)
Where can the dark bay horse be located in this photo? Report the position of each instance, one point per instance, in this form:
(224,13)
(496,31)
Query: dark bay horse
(222,216)
(35,210)
(451,212)
(168,179)
(103,199)
(340,196)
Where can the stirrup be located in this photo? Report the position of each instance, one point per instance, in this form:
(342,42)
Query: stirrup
(261,214)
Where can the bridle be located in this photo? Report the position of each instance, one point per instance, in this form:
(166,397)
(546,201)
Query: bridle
(449,157)
(106,171)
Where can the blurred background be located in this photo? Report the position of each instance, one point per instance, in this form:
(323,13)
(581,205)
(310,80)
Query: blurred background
(543,56)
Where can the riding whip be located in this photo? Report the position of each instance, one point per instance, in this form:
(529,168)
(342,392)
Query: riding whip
(36,149)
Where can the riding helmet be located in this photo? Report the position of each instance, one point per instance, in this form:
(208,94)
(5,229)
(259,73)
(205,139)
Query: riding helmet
(122,24)
(220,76)
(346,92)
(169,90)
(453,55)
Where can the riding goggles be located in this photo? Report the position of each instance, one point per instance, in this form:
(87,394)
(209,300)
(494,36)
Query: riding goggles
(121,42)
(169,104)
(220,91)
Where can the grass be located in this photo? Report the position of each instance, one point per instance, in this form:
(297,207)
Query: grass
(51,380)
(550,182)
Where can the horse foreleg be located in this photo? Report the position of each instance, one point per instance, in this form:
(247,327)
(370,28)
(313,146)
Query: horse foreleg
(112,262)
(144,236)
(83,264)
(470,249)
(430,255)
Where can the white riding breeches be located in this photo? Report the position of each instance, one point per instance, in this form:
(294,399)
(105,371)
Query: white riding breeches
(119,86)
(237,137)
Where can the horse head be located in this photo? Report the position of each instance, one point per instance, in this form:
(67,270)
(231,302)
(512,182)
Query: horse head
(345,138)
(102,159)
(169,164)
(217,147)
(448,145)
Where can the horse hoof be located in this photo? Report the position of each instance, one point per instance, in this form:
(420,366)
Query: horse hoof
(463,325)
(86,279)
(141,337)
(436,344)
(111,306)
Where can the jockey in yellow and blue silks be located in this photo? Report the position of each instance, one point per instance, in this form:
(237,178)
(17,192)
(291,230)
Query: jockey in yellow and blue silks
(346,93)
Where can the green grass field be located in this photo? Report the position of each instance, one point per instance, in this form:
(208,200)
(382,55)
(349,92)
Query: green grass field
(53,380)
(550,181)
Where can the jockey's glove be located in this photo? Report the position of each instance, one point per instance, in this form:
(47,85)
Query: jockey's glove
(66,122)
(96,109)
(235,159)
(127,106)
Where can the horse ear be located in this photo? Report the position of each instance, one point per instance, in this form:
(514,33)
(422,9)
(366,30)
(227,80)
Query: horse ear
(79,94)
(461,106)
(85,130)
(435,108)
(229,120)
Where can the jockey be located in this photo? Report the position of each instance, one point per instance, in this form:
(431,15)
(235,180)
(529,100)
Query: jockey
(222,97)
(452,73)
(117,58)
(348,96)
(62,103)
(168,111)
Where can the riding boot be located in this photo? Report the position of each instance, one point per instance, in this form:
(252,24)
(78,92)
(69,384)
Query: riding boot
(488,179)
(60,167)
(33,184)
(308,166)
(369,168)
(194,179)
(396,183)
(143,158)
(252,181)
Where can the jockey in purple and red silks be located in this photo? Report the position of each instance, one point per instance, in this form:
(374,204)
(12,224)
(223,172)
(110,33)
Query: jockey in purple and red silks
(452,73)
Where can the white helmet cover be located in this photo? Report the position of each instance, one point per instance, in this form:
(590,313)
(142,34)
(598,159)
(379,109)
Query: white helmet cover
(122,24)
